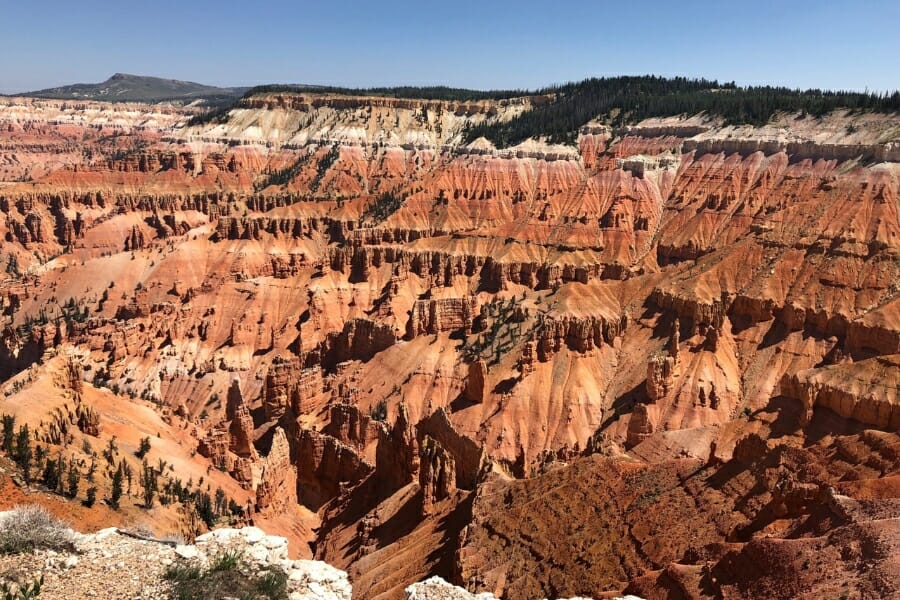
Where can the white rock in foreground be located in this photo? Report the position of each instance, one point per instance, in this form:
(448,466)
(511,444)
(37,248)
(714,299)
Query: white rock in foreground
(318,581)
(113,563)
(436,588)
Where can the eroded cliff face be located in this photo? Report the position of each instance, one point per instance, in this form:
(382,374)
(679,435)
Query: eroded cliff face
(360,318)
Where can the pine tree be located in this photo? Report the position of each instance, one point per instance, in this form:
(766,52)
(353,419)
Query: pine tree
(91,496)
(111,449)
(23,454)
(221,504)
(126,470)
(149,484)
(39,455)
(60,473)
(73,479)
(144,447)
(203,506)
(50,476)
(116,491)
(9,434)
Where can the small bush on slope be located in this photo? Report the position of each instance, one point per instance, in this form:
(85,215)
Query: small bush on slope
(227,576)
(31,527)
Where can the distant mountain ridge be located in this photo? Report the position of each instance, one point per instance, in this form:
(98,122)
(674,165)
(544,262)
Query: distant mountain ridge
(123,87)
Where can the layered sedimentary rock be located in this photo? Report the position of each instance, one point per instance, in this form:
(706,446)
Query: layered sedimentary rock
(865,391)
(324,464)
(397,457)
(288,386)
(356,316)
(437,473)
(660,371)
(437,316)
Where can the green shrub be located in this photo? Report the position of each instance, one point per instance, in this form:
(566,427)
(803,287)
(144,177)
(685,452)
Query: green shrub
(182,572)
(226,561)
(11,591)
(273,584)
(226,576)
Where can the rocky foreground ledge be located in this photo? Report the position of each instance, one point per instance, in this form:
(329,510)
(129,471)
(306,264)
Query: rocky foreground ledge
(115,563)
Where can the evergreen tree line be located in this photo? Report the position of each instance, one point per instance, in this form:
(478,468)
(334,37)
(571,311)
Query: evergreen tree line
(620,100)
(437,92)
(215,114)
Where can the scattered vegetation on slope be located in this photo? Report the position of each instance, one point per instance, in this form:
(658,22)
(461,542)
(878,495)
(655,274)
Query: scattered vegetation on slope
(383,207)
(282,176)
(216,115)
(150,483)
(329,159)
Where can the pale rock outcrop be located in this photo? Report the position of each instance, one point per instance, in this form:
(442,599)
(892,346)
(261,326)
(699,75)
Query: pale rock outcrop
(435,588)
(116,563)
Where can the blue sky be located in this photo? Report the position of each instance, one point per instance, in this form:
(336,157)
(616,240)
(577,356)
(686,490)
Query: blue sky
(526,44)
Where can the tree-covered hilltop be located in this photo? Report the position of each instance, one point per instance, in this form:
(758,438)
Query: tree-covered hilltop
(437,92)
(615,100)
(620,100)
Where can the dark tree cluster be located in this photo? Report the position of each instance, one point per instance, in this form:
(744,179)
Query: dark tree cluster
(618,100)
(438,92)
(329,159)
(384,206)
(18,446)
(621,100)
(282,176)
(216,115)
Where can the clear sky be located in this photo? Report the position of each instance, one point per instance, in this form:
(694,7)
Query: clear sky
(847,44)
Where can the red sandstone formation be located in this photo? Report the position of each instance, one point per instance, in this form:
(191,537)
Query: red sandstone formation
(667,359)
(475,382)
(277,488)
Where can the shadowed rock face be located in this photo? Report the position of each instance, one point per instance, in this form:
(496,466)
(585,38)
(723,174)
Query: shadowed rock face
(403,338)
